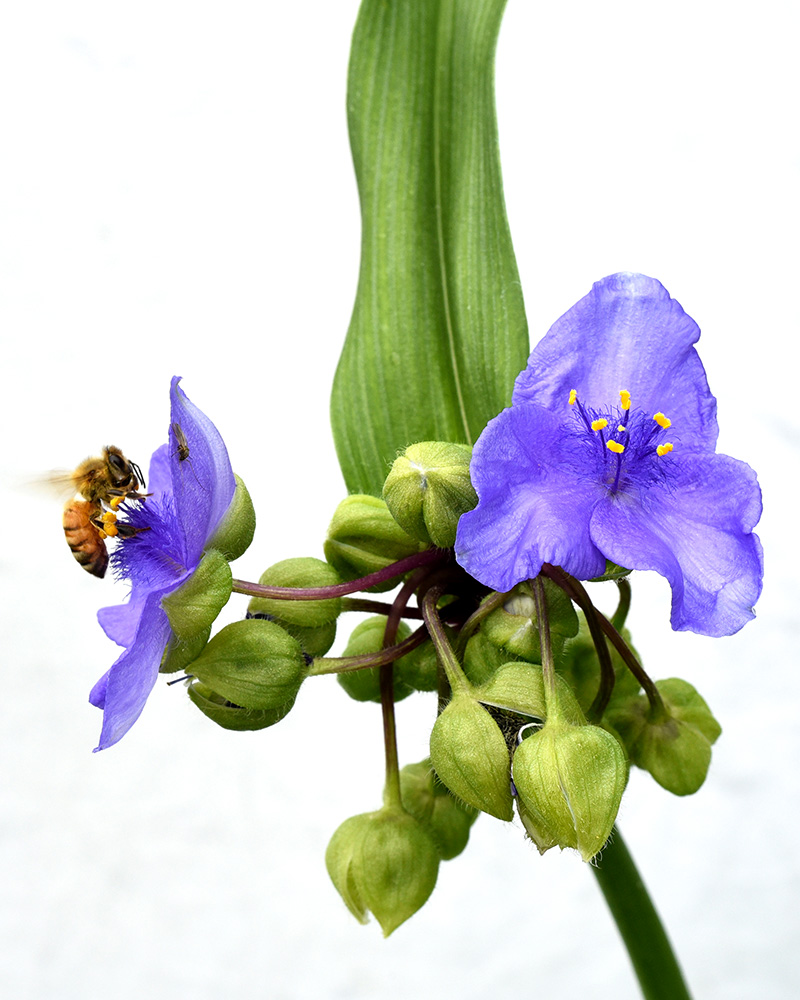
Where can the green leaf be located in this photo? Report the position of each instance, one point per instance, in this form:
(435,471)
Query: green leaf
(438,332)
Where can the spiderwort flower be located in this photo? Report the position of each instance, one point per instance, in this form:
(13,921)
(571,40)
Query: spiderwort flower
(190,494)
(608,452)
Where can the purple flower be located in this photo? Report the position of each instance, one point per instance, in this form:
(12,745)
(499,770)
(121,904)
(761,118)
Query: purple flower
(608,452)
(190,496)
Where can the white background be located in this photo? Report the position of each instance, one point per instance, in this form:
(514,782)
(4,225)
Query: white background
(177,198)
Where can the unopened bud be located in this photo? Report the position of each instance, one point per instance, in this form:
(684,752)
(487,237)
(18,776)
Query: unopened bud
(231,716)
(306,572)
(385,863)
(364,685)
(314,640)
(570,781)
(429,488)
(469,754)
(514,626)
(363,538)
(253,664)
(673,744)
(447,819)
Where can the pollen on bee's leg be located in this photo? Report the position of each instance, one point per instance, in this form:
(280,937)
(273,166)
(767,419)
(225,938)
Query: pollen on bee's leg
(114,502)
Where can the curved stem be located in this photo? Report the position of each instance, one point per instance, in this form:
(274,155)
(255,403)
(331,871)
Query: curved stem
(650,951)
(375,607)
(426,558)
(620,615)
(577,593)
(341,664)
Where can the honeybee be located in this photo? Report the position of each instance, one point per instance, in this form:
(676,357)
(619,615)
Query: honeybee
(102,484)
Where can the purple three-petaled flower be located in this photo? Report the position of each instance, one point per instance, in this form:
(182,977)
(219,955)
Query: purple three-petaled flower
(608,452)
(190,496)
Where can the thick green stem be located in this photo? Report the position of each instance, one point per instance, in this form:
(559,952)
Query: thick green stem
(650,952)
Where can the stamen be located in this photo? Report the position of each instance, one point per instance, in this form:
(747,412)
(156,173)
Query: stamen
(625,399)
(664,449)
(661,420)
(616,447)
(598,425)
(573,396)
(621,428)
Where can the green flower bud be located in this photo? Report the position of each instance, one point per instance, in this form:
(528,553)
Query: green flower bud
(236,529)
(231,716)
(180,653)
(469,754)
(519,687)
(364,685)
(302,572)
(419,669)
(253,664)
(482,658)
(384,863)
(673,745)
(428,489)
(363,538)
(578,664)
(514,626)
(447,820)
(570,781)
(314,640)
(194,606)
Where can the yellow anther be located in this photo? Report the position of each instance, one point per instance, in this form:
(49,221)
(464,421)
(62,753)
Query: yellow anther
(664,449)
(621,428)
(114,502)
(598,425)
(625,399)
(661,420)
(573,396)
(616,447)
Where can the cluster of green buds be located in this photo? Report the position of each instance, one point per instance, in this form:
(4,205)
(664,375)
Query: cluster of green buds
(541,702)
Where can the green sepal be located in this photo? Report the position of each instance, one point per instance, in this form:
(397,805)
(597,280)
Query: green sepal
(513,626)
(385,863)
(448,820)
(194,606)
(428,489)
(482,658)
(611,572)
(469,754)
(364,685)
(180,653)
(314,640)
(570,781)
(238,526)
(252,663)
(234,717)
(363,538)
(303,572)
(519,687)
(419,669)
(673,744)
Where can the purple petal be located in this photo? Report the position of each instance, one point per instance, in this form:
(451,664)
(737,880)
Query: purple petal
(627,333)
(698,534)
(203,482)
(160,473)
(536,493)
(120,621)
(130,680)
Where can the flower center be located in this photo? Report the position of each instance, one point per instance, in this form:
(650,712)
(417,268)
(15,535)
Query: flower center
(627,438)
